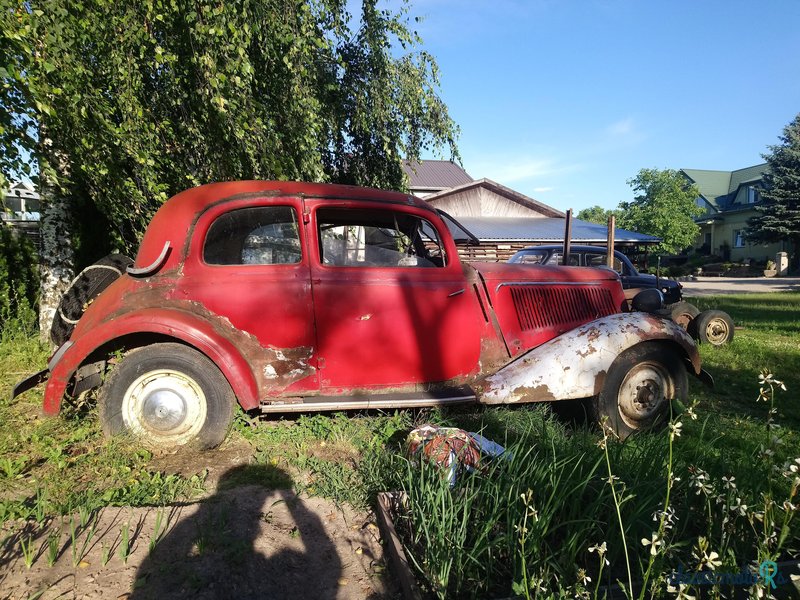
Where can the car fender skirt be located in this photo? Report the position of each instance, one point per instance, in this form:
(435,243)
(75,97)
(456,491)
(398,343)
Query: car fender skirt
(574,364)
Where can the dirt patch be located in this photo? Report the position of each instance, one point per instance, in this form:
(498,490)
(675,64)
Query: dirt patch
(245,542)
(216,462)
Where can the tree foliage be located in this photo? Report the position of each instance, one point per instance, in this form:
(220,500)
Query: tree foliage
(597,214)
(144,99)
(779,217)
(663,206)
(18,278)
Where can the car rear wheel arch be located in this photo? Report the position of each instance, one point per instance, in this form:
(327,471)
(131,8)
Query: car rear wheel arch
(232,365)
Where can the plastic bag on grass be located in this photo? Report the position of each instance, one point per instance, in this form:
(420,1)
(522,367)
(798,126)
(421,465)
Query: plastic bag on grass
(452,449)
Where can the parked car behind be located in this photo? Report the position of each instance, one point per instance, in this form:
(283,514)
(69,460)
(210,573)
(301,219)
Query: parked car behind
(595,256)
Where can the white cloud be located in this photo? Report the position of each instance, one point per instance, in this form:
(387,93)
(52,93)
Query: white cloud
(542,190)
(622,128)
(508,170)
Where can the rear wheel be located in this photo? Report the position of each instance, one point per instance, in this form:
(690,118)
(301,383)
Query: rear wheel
(167,395)
(713,327)
(683,313)
(639,386)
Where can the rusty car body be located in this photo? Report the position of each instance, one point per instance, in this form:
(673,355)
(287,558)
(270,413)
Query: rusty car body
(291,297)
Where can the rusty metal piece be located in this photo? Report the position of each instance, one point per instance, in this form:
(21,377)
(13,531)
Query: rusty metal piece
(574,364)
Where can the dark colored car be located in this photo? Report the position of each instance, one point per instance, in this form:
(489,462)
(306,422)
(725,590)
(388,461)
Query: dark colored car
(595,256)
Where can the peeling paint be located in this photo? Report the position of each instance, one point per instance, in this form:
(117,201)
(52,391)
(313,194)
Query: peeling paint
(274,369)
(568,367)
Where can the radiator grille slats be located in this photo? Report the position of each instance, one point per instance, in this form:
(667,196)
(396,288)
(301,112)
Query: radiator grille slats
(554,306)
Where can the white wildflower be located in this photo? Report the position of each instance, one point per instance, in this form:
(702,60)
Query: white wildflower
(601,551)
(682,591)
(654,542)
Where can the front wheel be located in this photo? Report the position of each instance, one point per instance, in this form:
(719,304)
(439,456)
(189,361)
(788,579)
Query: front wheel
(639,386)
(167,395)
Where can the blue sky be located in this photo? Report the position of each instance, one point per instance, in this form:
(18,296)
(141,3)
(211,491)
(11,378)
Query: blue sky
(566,100)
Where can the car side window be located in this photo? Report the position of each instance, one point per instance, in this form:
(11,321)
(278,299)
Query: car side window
(599,260)
(261,235)
(532,258)
(555,259)
(377,238)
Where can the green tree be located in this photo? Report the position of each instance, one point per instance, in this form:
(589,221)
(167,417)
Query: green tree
(123,104)
(597,214)
(779,217)
(663,206)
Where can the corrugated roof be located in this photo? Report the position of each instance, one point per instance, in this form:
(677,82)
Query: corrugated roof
(434,174)
(548,229)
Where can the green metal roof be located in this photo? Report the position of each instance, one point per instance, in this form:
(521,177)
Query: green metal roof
(719,188)
(712,184)
(746,175)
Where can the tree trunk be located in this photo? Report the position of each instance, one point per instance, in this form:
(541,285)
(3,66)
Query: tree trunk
(55,250)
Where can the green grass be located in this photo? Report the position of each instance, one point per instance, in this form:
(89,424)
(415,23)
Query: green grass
(467,542)
(57,466)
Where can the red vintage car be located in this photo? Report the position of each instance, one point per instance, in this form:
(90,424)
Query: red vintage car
(290,297)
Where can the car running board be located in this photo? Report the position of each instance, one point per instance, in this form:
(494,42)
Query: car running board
(363,402)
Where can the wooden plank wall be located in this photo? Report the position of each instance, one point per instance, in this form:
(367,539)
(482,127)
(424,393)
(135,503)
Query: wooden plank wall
(491,252)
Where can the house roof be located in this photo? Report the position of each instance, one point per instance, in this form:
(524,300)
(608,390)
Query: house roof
(434,174)
(548,229)
(501,190)
(719,188)
(22,189)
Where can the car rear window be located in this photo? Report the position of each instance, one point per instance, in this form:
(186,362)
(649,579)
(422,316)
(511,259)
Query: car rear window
(262,235)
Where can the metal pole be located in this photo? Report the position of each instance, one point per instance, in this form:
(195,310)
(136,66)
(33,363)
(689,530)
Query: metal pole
(567,238)
(612,222)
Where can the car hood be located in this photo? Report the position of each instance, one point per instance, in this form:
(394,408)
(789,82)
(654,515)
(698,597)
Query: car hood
(645,280)
(516,272)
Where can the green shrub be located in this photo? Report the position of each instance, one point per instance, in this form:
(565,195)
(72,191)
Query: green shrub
(19,282)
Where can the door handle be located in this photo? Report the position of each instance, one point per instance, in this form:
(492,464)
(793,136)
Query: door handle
(456,293)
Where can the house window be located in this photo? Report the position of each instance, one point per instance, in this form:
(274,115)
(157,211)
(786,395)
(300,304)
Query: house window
(738,238)
(753,195)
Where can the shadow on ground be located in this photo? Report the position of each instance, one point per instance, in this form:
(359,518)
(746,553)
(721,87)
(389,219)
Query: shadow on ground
(255,543)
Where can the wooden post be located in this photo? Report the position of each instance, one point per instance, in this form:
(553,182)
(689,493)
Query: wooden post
(567,238)
(612,222)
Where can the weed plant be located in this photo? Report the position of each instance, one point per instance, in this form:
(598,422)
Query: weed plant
(569,515)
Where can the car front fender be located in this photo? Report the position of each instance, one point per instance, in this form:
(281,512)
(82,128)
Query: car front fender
(574,364)
(217,340)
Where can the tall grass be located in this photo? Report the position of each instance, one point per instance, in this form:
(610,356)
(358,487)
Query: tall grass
(575,513)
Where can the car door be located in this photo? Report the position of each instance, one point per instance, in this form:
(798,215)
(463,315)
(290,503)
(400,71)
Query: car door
(391,302)
(248,263)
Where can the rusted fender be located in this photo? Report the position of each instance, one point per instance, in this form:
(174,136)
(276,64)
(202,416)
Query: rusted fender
(180,326)
(574,364)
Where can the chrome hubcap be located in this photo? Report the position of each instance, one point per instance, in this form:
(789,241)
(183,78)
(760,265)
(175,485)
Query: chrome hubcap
(165,407)
(642,393)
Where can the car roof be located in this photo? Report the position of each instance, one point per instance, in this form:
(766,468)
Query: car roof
(573,247)
(176,216)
